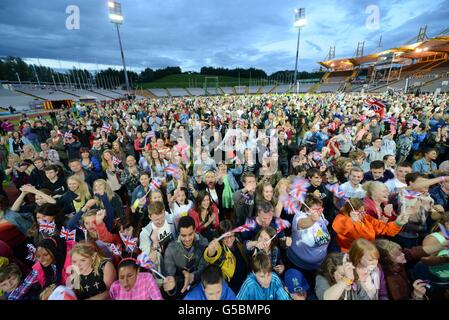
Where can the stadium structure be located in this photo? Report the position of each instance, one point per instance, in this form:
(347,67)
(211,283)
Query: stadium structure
(421,65)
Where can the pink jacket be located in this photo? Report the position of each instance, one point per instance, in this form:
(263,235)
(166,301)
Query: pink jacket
(68,261)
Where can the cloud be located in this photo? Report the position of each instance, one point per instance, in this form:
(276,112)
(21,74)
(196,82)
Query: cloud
(313,45)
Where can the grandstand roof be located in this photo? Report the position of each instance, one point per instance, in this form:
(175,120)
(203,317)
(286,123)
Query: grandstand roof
(427,48)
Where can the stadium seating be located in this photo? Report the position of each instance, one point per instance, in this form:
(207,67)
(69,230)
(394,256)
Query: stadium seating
(159,92)
(19,101)
(198,91)
(228,90)
(178,92)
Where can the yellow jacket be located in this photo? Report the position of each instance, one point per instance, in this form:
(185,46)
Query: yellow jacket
(225,259)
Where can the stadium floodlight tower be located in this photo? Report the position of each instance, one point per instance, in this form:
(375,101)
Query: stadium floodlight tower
(300,21)
(116,17)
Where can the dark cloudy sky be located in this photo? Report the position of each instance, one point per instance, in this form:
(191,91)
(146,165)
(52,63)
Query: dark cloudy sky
(195,33)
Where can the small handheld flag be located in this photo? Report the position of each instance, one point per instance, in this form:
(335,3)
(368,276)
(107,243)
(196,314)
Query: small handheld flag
(410,194)
(173,170)
(298,189)
(129,241)
(116,160)
(31,252)
(155,184)
(106,127)
(144,261)
(67,234)
(47,226)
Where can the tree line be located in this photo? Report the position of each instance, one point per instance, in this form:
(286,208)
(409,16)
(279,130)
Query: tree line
(16,69)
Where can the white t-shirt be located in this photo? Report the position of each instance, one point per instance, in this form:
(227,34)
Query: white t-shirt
(164,232)
(181,211)
(309,245)
(394,185)
(352,192)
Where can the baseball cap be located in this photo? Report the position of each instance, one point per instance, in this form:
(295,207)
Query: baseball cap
(295,281)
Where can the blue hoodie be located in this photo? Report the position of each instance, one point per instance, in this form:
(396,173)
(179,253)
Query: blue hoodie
(251,289)
(197,293)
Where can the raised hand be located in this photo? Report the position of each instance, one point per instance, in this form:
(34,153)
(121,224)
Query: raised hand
(100,216)
(212,247)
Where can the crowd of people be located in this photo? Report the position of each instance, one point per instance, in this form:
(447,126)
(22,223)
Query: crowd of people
(268,197)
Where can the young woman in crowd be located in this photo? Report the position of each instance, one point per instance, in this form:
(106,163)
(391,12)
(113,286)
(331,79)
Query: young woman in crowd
(89,162)
(364,256)
(76,197)
(336,280)
(92,274)
(205,213)
(133,284)
(51,267)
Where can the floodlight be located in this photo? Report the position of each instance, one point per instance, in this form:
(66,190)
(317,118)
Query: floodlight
(115,18)
(300,18)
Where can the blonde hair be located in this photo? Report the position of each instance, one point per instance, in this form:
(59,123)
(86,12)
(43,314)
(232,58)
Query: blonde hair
(88,214)
(104,163)
(89,250)
(83,189)
(283,181)
(13,159)
(107,189)
(372,186)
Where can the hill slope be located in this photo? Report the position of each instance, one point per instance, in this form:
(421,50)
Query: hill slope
(195,80)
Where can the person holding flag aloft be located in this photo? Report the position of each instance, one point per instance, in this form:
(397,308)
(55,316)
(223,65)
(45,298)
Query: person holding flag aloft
(352,223)
(228,253)
(310,238)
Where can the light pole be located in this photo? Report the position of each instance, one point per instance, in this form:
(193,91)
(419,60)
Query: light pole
(116,17)
(300,21)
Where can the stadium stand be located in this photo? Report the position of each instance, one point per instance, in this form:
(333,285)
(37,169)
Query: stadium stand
(178,92)
(159,92)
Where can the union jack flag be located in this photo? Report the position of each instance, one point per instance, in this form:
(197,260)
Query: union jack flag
(289,204)
(115,249)
(282,224)
(47,226)
(68,135)
(410,194)
(248,226)
(129,241)
(31,252)
(173,170)
(390,120)
(106,127)
(116,160)
(336,190)
(67,235)
(151,134)
(298,189)
(374,104)
(155,183)
(144,261)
